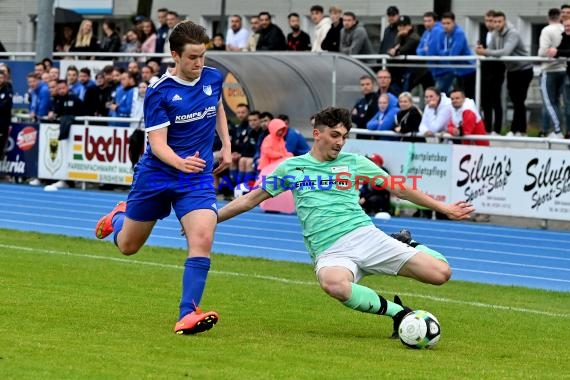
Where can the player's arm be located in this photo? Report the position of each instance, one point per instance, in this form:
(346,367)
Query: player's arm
(158,143)
(242,204)
(457,211)
(224,134)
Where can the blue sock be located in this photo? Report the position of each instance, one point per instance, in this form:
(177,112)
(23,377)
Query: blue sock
(193,283)
(234,175)
(240,177)
(117,222)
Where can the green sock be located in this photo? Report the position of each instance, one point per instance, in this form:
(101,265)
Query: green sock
(431,252)
(366,300)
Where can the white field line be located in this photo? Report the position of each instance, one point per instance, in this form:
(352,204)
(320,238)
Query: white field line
(281,280)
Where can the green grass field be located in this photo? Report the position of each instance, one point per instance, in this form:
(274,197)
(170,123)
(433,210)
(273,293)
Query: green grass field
(76,309)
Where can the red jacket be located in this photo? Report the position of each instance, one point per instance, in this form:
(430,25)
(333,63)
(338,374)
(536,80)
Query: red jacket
(467,117)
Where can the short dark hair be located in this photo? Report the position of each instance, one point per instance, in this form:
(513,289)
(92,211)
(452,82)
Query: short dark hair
(490,13)
(266,114)
(501,14)
(187,32)
(457,90)
(430,14)
(255,113)
(563,6)
(450,15)
(292,14)
(85,70)
(243,105)
(162,10)
(364,77)
(42,64)
(332,116)
(317,8)
(264,13)
(72,68)
(283,117)
(553,13)
(350,14)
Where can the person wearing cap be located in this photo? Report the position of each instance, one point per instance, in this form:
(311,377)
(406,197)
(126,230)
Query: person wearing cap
(391,31)
(405,43)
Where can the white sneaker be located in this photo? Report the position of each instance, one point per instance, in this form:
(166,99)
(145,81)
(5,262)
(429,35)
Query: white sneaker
(35,182)
(510,134)
(554,135)
(494,133)
(60,184)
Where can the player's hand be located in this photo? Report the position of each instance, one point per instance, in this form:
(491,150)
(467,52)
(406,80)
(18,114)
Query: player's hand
(225,160)
(460,210)
(193,164)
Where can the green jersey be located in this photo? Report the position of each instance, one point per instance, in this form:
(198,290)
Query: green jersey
(326,195)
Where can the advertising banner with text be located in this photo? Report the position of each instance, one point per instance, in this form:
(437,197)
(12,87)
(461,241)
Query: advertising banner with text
(21,153)
(519,182)
(90,154)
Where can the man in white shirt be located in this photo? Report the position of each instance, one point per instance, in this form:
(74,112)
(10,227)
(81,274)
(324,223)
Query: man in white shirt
(236,37)
(322,25)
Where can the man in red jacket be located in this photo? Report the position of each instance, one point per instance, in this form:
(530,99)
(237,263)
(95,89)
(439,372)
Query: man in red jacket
(465,119)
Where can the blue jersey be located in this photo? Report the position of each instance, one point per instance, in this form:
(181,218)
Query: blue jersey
(188,110)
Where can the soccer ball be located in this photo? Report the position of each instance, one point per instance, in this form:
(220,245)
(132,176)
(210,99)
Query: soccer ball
(419,329)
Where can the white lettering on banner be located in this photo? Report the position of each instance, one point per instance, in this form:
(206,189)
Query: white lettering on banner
(13,167)
(90,154)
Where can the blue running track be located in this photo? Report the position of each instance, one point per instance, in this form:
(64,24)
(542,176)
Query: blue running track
(479,253)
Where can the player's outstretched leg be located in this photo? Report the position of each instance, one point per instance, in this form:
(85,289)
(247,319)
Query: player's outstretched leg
(337,283)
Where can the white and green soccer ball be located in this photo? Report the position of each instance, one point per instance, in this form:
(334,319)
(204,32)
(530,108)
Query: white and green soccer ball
(419,329)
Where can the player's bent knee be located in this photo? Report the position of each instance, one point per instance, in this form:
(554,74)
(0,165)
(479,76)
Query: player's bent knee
(442,274)
(128,249)
(336,288)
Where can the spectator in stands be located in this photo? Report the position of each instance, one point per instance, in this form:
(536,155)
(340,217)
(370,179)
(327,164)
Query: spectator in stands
(322,26)
(65,107)
(271,36)
(137,105)
(122,104)
(273,148)
(172,18)
(54,73)
(6,94)
(52,85)
(553,76)
(465,119)
(253,35)
(148,38)
(111,42)
(353,37)
(238,136)
(385,118)
(391,31)
(367,106)
(372,199)
(147,75)
(332,39)
(162,31)
(453,42)
(384,79)
(297,40)
(408,119)
(563,50)
(295,142)
(437,113)
(492,78)
(94,101)
(48,64)
(65,40)
(507,41)
(237,35)
(72,76)
(131,41)
(249,147)
(39,69)
(406,42)
(85,81)
(427,47)
(217,42)
(40,97)
(85,41)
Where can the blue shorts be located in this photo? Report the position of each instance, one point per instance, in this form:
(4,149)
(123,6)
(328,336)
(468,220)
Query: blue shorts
(154,192)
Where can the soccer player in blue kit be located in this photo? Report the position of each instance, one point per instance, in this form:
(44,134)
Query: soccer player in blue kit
(181,110)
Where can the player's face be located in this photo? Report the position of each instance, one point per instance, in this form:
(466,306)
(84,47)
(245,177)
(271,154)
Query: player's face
(331,140)
(190,63)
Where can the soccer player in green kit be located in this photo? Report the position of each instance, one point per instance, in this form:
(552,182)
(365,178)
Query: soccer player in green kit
(341,239)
